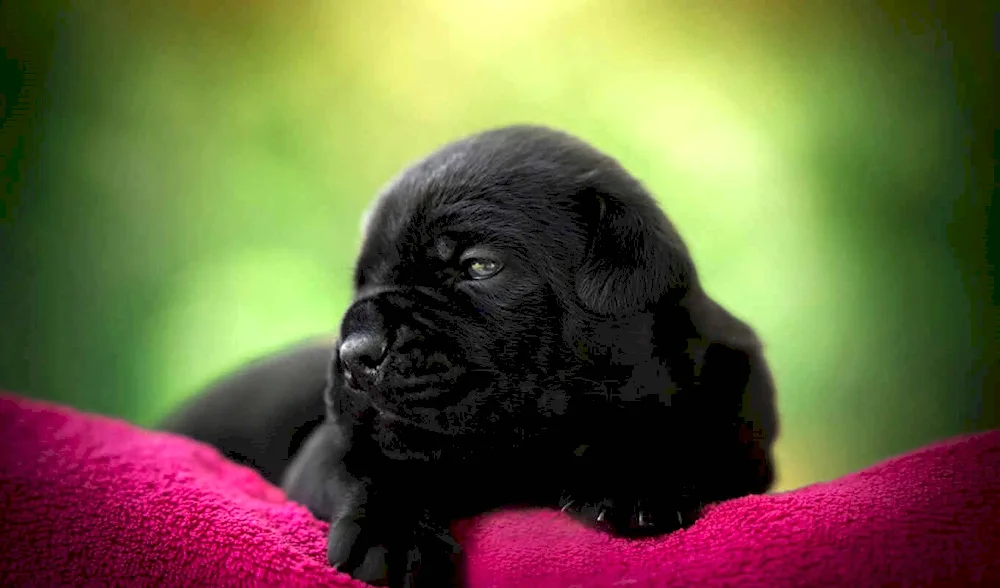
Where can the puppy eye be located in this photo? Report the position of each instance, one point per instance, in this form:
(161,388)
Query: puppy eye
(481,268)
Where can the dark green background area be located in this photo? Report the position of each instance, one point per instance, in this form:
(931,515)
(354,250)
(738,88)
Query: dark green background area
(183,183)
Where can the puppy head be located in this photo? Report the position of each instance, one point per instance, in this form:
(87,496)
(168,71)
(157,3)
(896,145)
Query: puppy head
(479,265)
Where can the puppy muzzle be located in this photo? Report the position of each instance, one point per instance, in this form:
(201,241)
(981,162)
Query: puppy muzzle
(391,352)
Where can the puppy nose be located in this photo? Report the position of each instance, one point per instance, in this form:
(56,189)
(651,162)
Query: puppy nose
(361,354)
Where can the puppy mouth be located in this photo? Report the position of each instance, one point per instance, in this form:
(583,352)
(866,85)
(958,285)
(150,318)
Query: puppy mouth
(398,397)
(427,387)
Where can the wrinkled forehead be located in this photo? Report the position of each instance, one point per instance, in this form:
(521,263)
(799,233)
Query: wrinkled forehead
(450,201)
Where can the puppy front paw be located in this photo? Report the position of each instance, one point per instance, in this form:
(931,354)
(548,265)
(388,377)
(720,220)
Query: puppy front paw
(396,557)
(352,549)
(626,517)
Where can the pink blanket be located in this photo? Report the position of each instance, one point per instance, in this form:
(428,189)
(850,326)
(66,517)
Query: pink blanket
(87,500)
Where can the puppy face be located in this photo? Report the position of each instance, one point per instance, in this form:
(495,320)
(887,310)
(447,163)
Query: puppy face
(499,281)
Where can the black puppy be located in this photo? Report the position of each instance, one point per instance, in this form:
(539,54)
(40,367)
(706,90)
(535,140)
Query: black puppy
(527,329)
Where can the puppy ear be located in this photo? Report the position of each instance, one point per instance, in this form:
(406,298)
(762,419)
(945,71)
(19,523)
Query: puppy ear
(737,383)
(634,258)
(737,389)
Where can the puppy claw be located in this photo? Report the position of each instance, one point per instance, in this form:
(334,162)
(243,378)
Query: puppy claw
(680,518)
(566,506)
(600,516)
(644,519)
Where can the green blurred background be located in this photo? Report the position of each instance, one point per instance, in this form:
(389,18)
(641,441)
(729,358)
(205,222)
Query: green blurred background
(183,183)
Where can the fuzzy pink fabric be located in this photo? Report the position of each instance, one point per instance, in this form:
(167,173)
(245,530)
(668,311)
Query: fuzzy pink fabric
(88,500)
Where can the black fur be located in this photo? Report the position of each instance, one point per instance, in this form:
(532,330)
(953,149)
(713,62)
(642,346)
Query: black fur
(592,373)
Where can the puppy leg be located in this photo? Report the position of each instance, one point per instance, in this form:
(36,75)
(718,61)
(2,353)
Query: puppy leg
(353,546)
(436,559)
(712,443)
(389,547)
(315,478)
(318,480)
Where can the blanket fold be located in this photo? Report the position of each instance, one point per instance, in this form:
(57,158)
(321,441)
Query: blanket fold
(90,500)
